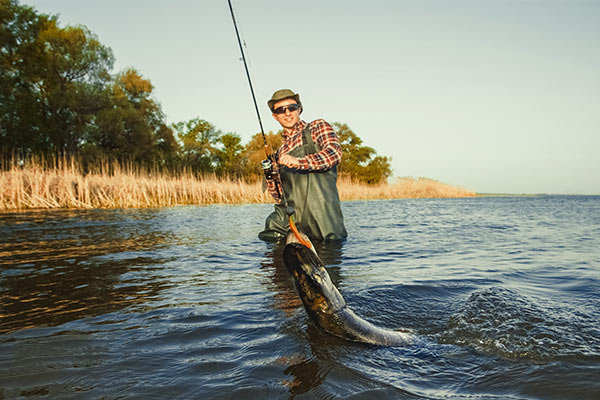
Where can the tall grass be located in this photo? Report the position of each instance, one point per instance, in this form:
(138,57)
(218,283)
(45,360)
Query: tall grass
(35,185)
(402,188)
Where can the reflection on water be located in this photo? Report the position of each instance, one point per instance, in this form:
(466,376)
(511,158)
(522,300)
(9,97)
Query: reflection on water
(305,374)
(186,302)
(75,271)
(285,296)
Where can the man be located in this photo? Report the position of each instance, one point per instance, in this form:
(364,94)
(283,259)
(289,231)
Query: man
(307,164)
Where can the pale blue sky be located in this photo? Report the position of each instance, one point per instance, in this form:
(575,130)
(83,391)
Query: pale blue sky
(494,96)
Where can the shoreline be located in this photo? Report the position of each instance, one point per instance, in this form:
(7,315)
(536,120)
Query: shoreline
(33,187)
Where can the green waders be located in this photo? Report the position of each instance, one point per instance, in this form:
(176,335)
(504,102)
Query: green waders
(314,197)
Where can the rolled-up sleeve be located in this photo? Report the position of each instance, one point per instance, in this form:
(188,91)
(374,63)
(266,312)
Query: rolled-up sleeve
(331,151)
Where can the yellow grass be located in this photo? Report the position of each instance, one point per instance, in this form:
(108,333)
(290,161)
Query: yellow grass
(403,188)
(33,186)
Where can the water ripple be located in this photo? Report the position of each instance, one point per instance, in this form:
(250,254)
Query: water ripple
(185,302)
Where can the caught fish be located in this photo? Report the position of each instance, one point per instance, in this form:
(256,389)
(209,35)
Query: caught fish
(325,305)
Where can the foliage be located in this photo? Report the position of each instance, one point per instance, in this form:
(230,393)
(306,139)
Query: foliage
(133,127)
(254,152)
(59,98)
(228,156)
(358,161)
(199,138)
(52,80)
(19,52)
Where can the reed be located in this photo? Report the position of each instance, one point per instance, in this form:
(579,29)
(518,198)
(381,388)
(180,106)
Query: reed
(35,185)
(402,188)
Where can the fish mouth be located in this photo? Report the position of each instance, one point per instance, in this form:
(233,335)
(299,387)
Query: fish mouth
(305,268)
(310,276)
(292,238)
(314,286)
(302,240)
(301,260)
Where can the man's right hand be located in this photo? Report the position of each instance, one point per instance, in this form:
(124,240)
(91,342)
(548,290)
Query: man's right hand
(289,161)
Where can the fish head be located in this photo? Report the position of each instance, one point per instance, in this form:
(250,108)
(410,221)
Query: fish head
(316,290)
(292,238)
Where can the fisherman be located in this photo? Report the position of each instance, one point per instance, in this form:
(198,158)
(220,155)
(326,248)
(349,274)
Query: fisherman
(306,171)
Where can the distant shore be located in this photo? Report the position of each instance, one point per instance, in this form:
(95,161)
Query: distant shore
(33,186)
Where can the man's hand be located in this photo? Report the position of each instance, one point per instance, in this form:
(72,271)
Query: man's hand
(289,161)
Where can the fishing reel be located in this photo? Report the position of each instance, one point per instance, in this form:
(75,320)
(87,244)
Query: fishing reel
(267,167)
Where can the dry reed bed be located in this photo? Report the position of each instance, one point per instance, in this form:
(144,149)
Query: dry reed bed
(34,187)
(403,188)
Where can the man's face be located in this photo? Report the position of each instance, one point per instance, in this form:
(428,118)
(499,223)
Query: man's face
(287,118)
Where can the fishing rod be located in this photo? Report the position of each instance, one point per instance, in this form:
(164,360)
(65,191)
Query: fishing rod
(237,33)
(267,164)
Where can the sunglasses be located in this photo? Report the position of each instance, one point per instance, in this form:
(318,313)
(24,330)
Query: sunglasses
(282,109)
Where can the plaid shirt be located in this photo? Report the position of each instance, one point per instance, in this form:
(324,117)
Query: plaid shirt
(324,136)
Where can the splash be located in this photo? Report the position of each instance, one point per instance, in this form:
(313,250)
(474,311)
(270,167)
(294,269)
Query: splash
(499,321)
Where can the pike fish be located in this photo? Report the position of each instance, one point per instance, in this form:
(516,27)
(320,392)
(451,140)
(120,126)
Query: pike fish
(325,305)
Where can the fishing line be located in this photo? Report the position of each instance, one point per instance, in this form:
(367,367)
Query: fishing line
(267,164)
(237,33)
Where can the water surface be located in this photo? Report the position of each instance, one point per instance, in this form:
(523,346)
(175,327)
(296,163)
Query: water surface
(187,302)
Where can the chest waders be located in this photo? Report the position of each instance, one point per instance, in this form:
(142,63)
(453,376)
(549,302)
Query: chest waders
(314,197)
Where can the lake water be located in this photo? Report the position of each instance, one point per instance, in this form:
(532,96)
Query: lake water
(186,302)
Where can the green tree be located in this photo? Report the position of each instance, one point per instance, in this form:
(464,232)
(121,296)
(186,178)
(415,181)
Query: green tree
(254,152)
(73,72)
(57,95)
(166,148)
(20,112)
(360,162)
(228,153)
(132,128)
(198,138)
(51,79)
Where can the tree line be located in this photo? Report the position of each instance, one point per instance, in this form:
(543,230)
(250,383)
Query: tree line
(59,98)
